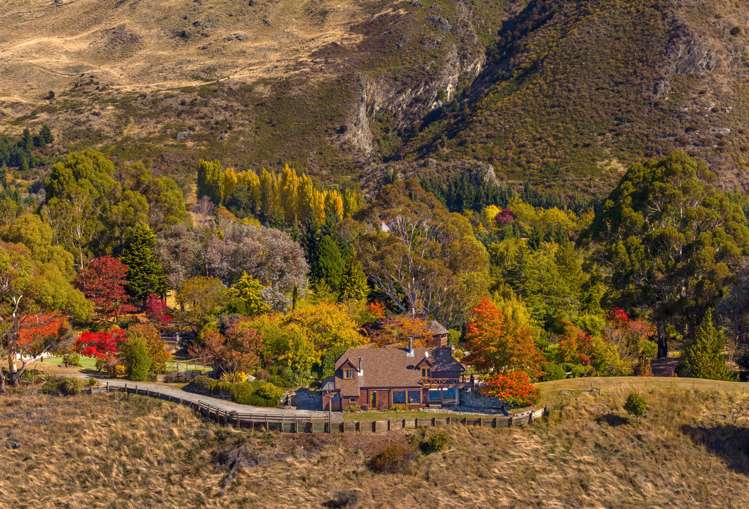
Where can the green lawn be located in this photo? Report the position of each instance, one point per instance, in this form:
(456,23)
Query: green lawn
(86,362)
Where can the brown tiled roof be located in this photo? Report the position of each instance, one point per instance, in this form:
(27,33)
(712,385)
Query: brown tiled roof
(437,329)
(391,367)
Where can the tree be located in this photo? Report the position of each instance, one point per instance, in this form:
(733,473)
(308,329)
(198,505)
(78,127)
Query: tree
(30,287)
(156,347)
(145,272)
(104,346)
(235,347)
(354,285)
(330,263)
(157,310)
(671,241)
(499,343)
(514,388)
(136,358)
(79,192)
(201,298)
(423,259)
(246,297)
(704,357)
(103,283)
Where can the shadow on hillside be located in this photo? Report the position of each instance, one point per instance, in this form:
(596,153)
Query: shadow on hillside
(729,442)
(612,420)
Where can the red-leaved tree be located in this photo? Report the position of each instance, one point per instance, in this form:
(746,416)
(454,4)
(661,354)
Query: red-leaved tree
(496,344)
(514,388)
(103,282)
(157,310)
(104,346)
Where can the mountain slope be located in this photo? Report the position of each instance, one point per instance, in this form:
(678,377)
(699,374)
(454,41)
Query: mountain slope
(574,91)
(563,94)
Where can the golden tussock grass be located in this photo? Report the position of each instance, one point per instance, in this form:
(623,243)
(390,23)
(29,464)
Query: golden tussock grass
(690,450)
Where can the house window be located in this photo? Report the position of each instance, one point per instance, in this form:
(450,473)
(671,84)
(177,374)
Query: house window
(414,396)
(399,397)
(426,372)
(348,373)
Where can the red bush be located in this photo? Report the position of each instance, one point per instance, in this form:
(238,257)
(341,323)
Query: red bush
(514,388)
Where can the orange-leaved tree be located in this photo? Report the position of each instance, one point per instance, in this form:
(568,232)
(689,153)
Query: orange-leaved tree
(498,342)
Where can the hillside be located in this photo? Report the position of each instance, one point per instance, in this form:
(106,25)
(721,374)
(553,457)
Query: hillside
(562,94)
(690,450)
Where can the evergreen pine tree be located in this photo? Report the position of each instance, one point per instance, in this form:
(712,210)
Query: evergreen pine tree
(704,358)
(145,273)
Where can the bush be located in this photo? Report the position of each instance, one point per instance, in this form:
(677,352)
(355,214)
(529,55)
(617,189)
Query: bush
(636,405)
(235,377)
(71,360)
(514,388)
(255,393)
(64,386)
(433,442)
(137,360)
(33,377)
(554,371)
(395,458)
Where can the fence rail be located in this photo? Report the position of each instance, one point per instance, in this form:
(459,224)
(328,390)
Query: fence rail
(314,424)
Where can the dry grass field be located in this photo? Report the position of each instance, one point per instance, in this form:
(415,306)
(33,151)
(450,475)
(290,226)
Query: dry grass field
(690,450)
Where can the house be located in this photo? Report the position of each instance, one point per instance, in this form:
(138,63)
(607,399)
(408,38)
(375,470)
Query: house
(381,378)
(440,335)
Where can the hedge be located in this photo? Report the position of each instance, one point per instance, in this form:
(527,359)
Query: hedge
(256,393)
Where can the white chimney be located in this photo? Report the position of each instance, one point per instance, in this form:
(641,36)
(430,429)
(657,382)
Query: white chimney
(410,351)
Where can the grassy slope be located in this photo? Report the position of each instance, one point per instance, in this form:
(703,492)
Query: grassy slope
(691,450)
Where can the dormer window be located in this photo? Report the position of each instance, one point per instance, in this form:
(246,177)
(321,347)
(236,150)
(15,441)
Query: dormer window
(348,373)
(426,372)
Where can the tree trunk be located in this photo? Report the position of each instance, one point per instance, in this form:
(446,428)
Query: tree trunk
(2,381)
(662,341)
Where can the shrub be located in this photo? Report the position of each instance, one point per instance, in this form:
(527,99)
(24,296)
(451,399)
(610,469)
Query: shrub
(636,405)
(71,360)
(255,393)
(137,359)
(515,388)
(235,377)
(433,442)
(64,386)
(395,458)
(33,377)
(554,371)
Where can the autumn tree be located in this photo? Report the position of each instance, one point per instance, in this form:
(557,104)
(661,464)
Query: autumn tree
(246,297)
(103,346)
(235,346)
(155,346)
(201,298)
(498,343)
(30,287)
(103,283)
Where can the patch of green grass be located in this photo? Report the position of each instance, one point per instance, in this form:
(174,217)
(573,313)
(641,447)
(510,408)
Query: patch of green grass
(88,363)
